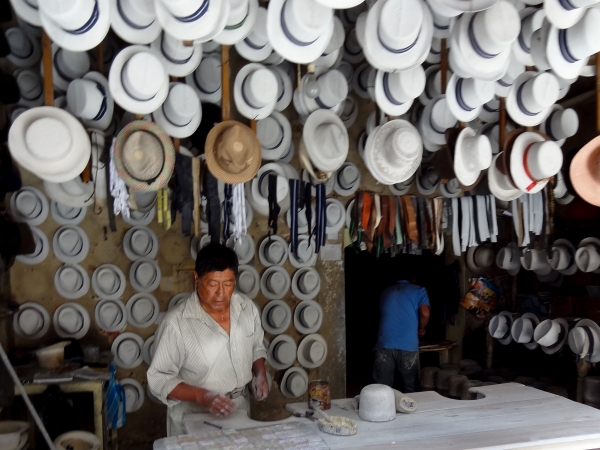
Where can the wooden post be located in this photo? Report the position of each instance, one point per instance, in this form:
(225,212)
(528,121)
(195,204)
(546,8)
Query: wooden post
(253,125)
(47,64)
(225,103)
(444,65)
(502,124)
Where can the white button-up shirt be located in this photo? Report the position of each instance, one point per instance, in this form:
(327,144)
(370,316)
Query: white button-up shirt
(192,348)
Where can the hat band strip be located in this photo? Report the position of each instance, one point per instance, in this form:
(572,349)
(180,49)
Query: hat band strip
(319,102)
(387,92)
(503,83)
(280,140)
(397,50)
(434,128)
(31,5)
(89,24)
(280,78)
(240,23)
(564,47)
(488,109)
(459,98)
(548,127)
(288,34)
(252,45)
(475,44)
(342,184)
(441,27)
(566,4)
(523,45)
(195,15)
(245,97)
(170,58)
(590,336)
(128,21)
(520,103)
(131,95)
(201,89)
(559,338)
(534,182)
(103,106)
(434,52)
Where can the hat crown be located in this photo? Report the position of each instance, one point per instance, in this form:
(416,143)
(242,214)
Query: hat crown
(208,74)
(523,330)
(259,88)
(143,76)
(583,38)
(332,138)
(110,314)
(141,242)
(546,333)
(349,175)
(477,152)
(560,257)
(71,64)
(484,256)
(142,310)
(145,274)
(143,155)
(498,326)
(19,43)
(441,116)
(84,98)
(31,321)
(69,14)
(70,320)
(30,84)
(544,159)
(70,241)
(70,279)
(333,88)
(128,351)
(402,145)
(334,214)
(506,258)
(305,20)
(534,259)
(563,124)
(305,249)
(181,105)
(276,282)
(274,251)
(494,29)
(284,352)
(180,8)
(277,316)
(337,38)
(473,92)
(258,36)
(296,384)
(314,351)
(406,85)
(234,149)
(587,258)
(430,178)
(238,10)
(539,92)
(309,316)
(308,282)
(139,12)
(28,203)
(400,23)
(269,132)
(246,281)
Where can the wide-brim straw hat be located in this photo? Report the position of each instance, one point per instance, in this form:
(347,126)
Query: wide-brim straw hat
(71,244)
(32,321)
(248,281)
(142,310)
(127,350)
(294,382)
(135,394)
(198,24)
(236,32)
(281,353)
(308,317)
(111,315)
(152,152)
(42,248)
(312,351)
(71,320)
(219,150)
(276,317)
(583,172)
(133,29)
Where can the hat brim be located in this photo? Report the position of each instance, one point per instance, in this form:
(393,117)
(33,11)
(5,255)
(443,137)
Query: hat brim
(202,29)
(461,114)
(100,321)
(147,350)
(177,69)
(583,175)
(173,130)
(559,64)
(253,54)
(560,17)
(142,35)
(384,103)
(512,106)
(36,257)
(26,12)
(296,289)
(231,37)
(256,286)
(270,358)
(517,171)
(45,318)
(265,313)
(307,340)
(59,252)
(151,319)
(263,283)
(178,299)
(145,219)
(134,281)
(244,108)
(115,350)
(85,326)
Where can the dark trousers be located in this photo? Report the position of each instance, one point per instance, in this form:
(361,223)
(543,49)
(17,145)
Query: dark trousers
(387,360)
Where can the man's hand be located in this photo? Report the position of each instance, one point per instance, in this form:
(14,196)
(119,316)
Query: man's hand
(421,332)
(217,404)
(260,387)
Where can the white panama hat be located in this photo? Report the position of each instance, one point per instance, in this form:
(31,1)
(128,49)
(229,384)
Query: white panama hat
(434,121)
(240,22)
(276,317)
(89,99)
(340,4)
(584,340)
(275,282)
(533,161)
(27,11)
(398,34)
(306,252)
(466,97)
(273,251)
(503,85)
(179,60)
(206,80)
(560,124)
(395,92)
(539,44)
(333,90)
(71,320)
(490,112)
(308,317)
(285,89)
(536,260)
(294,382)
(531,97)
(500,327)
(450,189)
(561,194)
(257,190)
(70,244)
(111,315)
(551,334)
(349,111)
(335,216)
(127,350)
(568,51)
(67,66)
(178,299)
(333,53)
(442,25)
(433,83)
(275,135)
(508,258)
(248,281)
(562,257)
(299,30)
(140,218)
(76,26)
(480,258)
(135,394)
(302,222)
(192,20)
(31,87)
(566,14)
(435,52)
(74,193)
(587,256)
(347,179)
(134,21)
(427,181)
(142,310)
(42,248)
(472,155)
(71,281)
(499,182)
(353,52)
(531,20)
(149,349)
(144,275)
(138,79)
(350,16)
(255,47)
(523,329)
(181,113)
(403,187)
(32,321)
(77,440)
(255,91)
(326,140)
(28,205)
(306,282)
(108,282)
(25,50)
(244,248)
(360,81)
(281,353)
(312,351)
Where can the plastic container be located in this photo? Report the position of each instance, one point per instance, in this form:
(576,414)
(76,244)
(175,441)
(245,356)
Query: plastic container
(53,356)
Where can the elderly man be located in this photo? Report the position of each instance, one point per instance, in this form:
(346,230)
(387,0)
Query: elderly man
(210,346)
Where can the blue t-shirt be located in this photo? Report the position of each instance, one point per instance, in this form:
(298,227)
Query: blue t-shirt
(399,324)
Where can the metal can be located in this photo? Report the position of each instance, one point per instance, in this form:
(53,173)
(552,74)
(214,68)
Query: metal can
(319,392)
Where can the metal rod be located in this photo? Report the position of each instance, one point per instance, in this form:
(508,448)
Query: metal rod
(225,104)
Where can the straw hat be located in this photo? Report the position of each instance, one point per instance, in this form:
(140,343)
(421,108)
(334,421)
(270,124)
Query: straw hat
(587,256)
(111,315)
(490,112)
(255,47)
(306,252)
(71,320)
(536,260)
(255,91)
(523,330)
(108,282)
(442,25)
(233,152)
(508,258)
(77,440)
(144,156)
(335,216)
(273,251)
(138,79)
(28,205)
(324,141)
(531,20)
(349,111)
(32,321)
(347,179)
(531,97)
(178,59)
(299,30)
(584,340)
(284,88)
(480,258)
(149,349)
(466,96)
(248,281)
(134,21)
(240,22)
(500,327)
(27,11)
(142,310)
(312,351)
(402,188)
(395,92)
(561,124)
(206,80)
(551,334)
(73,193)
(135,394)
(562,195)
(306,283)
(434,122)
(71,281)
(190,20)
(275,135)
(127,350)
(294,382)
(140,218)
(562,257)
(308,317)
(433,83)
(450,189)
(499,181)
(566,15)
(244,248)
(333,90)
(25,51)
(472,154)
(275,282)
(276,317)
(42,248)
(583,172)
(89,99)
(360,81)
(70,244)
(144,275)
(427,181)
(281,353)
(78,26)
(178,299)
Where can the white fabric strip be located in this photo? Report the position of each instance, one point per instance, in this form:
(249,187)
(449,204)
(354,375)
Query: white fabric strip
(118,190)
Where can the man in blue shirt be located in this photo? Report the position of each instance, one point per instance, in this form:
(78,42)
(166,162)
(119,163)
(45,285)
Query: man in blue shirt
(404,310)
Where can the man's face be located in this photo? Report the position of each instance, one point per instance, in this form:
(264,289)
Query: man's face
(215,290)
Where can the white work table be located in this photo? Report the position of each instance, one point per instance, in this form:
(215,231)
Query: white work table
(511,416)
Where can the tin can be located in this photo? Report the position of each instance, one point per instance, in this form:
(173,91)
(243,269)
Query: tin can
(320,391)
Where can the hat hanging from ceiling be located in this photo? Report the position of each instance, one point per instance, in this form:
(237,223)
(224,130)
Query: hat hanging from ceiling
(192,20)
(127,350)
(42,248)
(299,30)
(27,11)
(181,113)
(178,59)
(144,156)
(257,191)
(531,97)
(499,181)
(584,340)
(397,34)
(433,83)
(308,317)
(508,258)
(536,260)
(500,327)
(134,21)
(562,257)
(255,91)
(144,275)
(32,321)
(31,87)
(74,193)
(240,22)
(206,80)
(275,135)
(89,99)
(306,283)
(360,81)
(349,111)
(324,142)
(395,92)
(561,124)
(533,161)
(285,89)
(273,251)
(566,14)
(312,351)
(281,353)
(108,282)
(434,122)
(77,440)
(25,50)
(306,252)
(480,258)
(71,320)
(275,282)
(255,47)
(142,310)
(111,315)
(584,174)
(523,330)
(442,25)
(68,66)
(70,244)
(333,53)
(248,281)
(135,394)
(138,79)
(276,317)
(28,205)
(178,299)
(333,90)
(335,216)
(466,97)
(587,256)
(551,334)
(472,154)
(347,179)
(71,281)
(427,181)
(294,382)
(76,26)
(244,248)
(531,20)
(353,52)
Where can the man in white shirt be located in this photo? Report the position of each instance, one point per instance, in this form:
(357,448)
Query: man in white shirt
(210,346)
